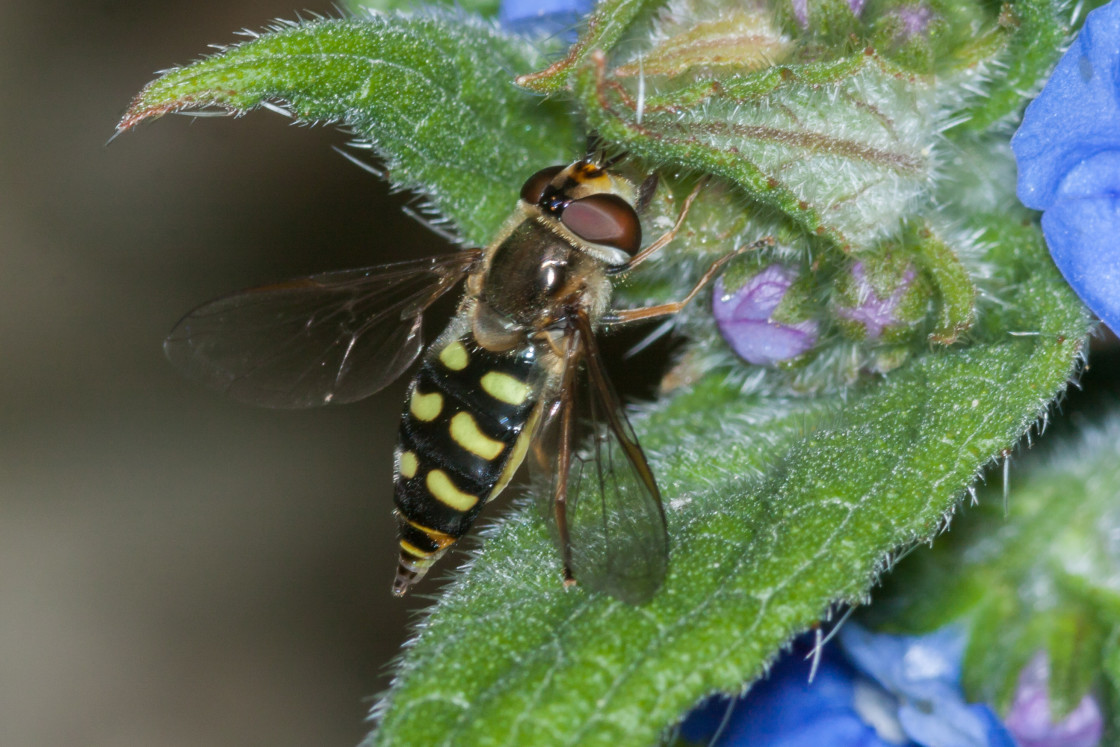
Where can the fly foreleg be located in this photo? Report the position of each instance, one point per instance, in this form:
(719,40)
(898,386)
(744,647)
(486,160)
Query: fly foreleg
(625,316)
(668,236)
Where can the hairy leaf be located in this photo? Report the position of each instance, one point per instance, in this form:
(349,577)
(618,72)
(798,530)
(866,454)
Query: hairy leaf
(840,147)
(604,28)
(1042,576)
(1032,35)
(958,304)
(777,508)
(432,94)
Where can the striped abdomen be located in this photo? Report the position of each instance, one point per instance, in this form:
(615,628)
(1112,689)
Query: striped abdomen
(463,433)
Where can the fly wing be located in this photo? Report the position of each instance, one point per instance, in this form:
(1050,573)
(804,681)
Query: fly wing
(333,337)
(604,505)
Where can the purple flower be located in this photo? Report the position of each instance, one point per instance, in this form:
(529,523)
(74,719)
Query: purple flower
(543,17)
(746,319)
(801,10)
(1029,719)
(874,691)
(871,314)
(1068,151)
(913,20)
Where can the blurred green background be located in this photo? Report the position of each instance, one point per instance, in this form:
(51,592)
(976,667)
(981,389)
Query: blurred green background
(176,568)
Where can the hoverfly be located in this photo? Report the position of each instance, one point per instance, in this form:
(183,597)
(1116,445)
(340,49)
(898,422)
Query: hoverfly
(518,368)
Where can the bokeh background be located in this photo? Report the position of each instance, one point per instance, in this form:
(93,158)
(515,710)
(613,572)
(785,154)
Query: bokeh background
(176,568)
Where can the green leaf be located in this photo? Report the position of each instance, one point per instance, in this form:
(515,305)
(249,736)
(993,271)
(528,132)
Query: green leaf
(706,40)
(958,293)
(777,509)
(1075,646)
(604,28)
(1042,577)
(841,147)
(432,94)
(1033,34)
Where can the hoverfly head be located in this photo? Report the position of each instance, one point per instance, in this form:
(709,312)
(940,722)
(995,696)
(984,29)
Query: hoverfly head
(594,204)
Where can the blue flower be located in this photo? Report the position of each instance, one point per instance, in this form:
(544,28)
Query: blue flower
(922,674)
(746,319)
(875,690)
(543,17)
(1068,151)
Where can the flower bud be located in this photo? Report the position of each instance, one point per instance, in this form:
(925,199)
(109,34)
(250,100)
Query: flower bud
(753,324)
(882,299)
(1030,717)
(912,20)
(803,13)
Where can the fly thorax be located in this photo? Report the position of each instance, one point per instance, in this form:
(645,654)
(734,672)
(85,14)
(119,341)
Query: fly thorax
(535,276)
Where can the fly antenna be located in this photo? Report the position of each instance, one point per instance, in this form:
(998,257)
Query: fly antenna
(596,152)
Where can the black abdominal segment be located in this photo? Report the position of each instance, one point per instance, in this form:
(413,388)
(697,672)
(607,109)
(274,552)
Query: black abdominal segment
(462,434)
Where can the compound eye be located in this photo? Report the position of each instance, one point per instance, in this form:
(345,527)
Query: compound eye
(534,188)
(604,219)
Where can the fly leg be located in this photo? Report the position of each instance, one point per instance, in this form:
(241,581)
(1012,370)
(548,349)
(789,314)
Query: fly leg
(560,458)
(560,507)
(668,236)
(625,316)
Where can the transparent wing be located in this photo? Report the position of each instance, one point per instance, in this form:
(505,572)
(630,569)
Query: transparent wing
(333,337)
(604,506)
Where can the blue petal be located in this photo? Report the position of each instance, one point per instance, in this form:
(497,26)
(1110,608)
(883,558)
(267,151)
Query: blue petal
(1082,239)
(785,710)
(1076,116)
(743,318)
(1068,150)
(542,17)
(998,735)
(945,721)
(918,667)
(703,721)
